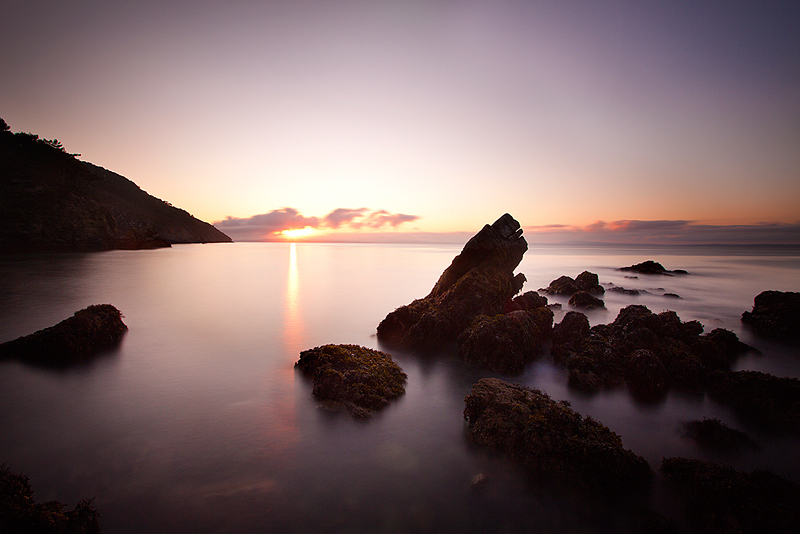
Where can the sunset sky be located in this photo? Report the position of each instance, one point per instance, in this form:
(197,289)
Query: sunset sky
(645,121)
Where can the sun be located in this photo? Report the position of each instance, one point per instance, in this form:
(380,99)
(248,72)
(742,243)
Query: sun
(298,233)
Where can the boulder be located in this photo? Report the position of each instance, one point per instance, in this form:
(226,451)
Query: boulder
(646,376)
(550,439)
(762,399)
(505,343)
(714,435)
(776,314)
(530,300)
(582,299)
(479,281)
(76,339)
(651,267)
(565,285)
(353,377)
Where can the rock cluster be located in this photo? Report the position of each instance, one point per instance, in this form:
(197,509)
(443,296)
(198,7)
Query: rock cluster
(479,281)
(776,314)
(651,267)
(550,439)
(565,285)
(354,377)
(76,339)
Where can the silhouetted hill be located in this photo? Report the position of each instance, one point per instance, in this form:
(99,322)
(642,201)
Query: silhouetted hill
(51,201)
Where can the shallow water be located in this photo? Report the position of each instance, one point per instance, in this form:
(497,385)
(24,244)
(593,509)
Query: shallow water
(198,421)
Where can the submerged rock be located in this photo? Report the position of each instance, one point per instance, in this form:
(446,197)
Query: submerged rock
(776,314)
(609,355)
(713,434)
(550,439)
(504,343)
(355,377)
(651,267)
(722,500)
(583,299)
(479,281)
(762,399)
(76,339)
(565,285)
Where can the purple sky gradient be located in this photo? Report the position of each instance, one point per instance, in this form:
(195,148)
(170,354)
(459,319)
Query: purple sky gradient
(560,113)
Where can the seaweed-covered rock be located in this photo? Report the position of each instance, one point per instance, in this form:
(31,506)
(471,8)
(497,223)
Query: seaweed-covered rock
(355,377)
(651,267)
(565,285)
(713,434)
(530,300)
(89,331)
(605,357)
(776,314)
(763,399)
(479,281)
(550,439)
(582,299)
(504,343)
(723,500)
(19,511)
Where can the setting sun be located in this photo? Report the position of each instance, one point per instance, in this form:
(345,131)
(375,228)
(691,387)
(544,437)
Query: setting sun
(298,233)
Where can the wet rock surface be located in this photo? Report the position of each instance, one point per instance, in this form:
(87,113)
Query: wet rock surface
(505,343)
(550,439)
(775,314)
(723,500)
(77,339)
(651,267)
(353,377)
(479,281)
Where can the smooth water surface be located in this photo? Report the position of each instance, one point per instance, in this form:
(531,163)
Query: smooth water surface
(198,422)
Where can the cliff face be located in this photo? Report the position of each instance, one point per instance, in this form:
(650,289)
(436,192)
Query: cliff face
(50,201)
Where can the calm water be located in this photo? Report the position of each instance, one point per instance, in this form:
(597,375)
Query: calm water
(199,423)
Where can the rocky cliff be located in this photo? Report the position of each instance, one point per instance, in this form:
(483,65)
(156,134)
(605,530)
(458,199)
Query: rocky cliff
(51,201)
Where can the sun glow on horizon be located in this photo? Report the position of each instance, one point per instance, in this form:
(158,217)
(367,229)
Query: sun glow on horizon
(298,233)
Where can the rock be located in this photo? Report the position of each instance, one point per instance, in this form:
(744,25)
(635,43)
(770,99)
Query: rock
(607,355)
(479,281)
(88,332)
(582,299)
(19,511)
(620,289)
(550,439)
(762,399)
(354,377)
(721,500)
(564,285)
(776,314)
(651,267)
(504,343)
(479,481)
(714,435)
(672,295)
(530,300)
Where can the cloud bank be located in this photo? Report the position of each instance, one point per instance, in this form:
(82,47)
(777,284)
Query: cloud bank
(268,226)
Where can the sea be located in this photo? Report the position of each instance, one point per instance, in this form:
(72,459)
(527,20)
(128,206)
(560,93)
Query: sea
(199,422)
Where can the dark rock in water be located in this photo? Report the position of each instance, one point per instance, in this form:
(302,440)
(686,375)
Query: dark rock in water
(762,399)
(355,377)
(583,299)
(646,376)
(651,267)
(620,289)
(550,439)
(479,281)
(76,339)
(565,285)
(20,513)
(776,314)
(530,300)
(713,434)
(672,295)
(603,357)
(504,343)
(721,500)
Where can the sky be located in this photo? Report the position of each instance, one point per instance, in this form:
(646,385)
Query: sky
(613,121)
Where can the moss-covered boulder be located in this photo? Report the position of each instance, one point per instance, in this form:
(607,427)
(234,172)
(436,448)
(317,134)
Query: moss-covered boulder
(89,331)
(550,439)
(506,342)
(19,511)
(357,378)
(585,300)
(479,281)
(721,500)
(776,314)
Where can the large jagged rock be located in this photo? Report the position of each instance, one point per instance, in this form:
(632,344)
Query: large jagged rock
(776,314)
(479,281)
(76,339)
(550,439)
(611,355)
(357,378)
